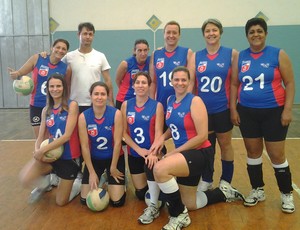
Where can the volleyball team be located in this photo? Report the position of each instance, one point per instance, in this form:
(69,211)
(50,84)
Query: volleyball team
(194,98)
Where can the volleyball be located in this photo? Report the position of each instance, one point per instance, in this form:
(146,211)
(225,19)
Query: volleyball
(97,199)
(24,86)
(54,153)
(148,202)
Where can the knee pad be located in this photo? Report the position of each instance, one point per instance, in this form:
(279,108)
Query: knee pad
(140,193)
(118,203)
(82,201)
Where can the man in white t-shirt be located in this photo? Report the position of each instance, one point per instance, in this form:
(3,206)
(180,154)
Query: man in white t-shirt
(88,65)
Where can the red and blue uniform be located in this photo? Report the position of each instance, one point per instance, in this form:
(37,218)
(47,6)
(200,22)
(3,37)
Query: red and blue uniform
(126,90)
(42,70)
(180,122)
(164,62)
(56,125)
(141,124)
(101,133)
(213,74)
(261,82)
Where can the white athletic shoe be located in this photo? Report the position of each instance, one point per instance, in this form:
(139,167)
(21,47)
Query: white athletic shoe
(54,180)
(230,193)
(179,222)
(43,187)
(150,213)
(287,202)
(256,195)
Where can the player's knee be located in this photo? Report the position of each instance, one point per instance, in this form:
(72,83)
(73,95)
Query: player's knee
(140,193)
(118,203)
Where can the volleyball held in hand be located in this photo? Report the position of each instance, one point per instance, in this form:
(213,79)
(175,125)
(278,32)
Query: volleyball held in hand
(148,202)
(53,153)
(24,86)
(97,199)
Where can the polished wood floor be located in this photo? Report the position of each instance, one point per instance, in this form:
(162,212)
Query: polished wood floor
(17,144)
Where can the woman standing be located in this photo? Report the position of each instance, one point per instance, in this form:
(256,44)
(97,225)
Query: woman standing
(128,68)
(213,73)
(100,132)
(186,117)
(142,126)
(41,69)
(59,119)
(264,85)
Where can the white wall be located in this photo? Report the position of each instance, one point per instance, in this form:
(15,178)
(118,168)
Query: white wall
(133,14)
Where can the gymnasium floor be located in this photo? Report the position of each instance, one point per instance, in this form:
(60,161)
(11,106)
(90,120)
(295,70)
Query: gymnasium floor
(16,146)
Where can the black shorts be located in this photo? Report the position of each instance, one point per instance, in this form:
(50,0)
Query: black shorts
(35,115)
(198,161)
(100,166)
(136,164)
(220,122)
(119,104)
(258,123)
(66,169)
(83,108)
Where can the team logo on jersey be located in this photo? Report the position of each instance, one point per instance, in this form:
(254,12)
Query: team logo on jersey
(221,65)
(50,121)
(245,66)
(181,115)
(133,72)
(177,63)
(43,70)
(92,130)
(265,65)
(202,66)
(145,118)
(160,63)
(109,128)
(131,118)
(169,111)
(63,118)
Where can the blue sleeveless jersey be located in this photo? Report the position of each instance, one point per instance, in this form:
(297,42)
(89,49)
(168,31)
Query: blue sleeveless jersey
(164,62)
(261,82)
(42,70)
(141,124)
(126,90)
(180,122)
(213,74)
(101,132)
(56,125)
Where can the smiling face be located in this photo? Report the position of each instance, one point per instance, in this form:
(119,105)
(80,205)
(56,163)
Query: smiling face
(59,50)
(171,35)
(212,34)
(180,81)
(55,88)
(256,36)
(99,96)
(141,86)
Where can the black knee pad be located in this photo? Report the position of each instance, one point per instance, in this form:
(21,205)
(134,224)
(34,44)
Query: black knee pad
(140,193)
(82,201)
(118,203)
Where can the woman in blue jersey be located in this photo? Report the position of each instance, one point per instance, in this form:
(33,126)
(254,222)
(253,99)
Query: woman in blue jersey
(143,124)
(263,83)
(41,69)
(59,121)
(179,172)
(100,131)
(213,73)
(128,68)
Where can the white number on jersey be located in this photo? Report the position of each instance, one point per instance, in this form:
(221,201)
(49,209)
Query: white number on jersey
(102,142)
(213,85)
(165,80)
(139,139)
(249,81)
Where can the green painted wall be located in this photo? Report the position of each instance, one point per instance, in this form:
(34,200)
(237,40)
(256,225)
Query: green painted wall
(118,45)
